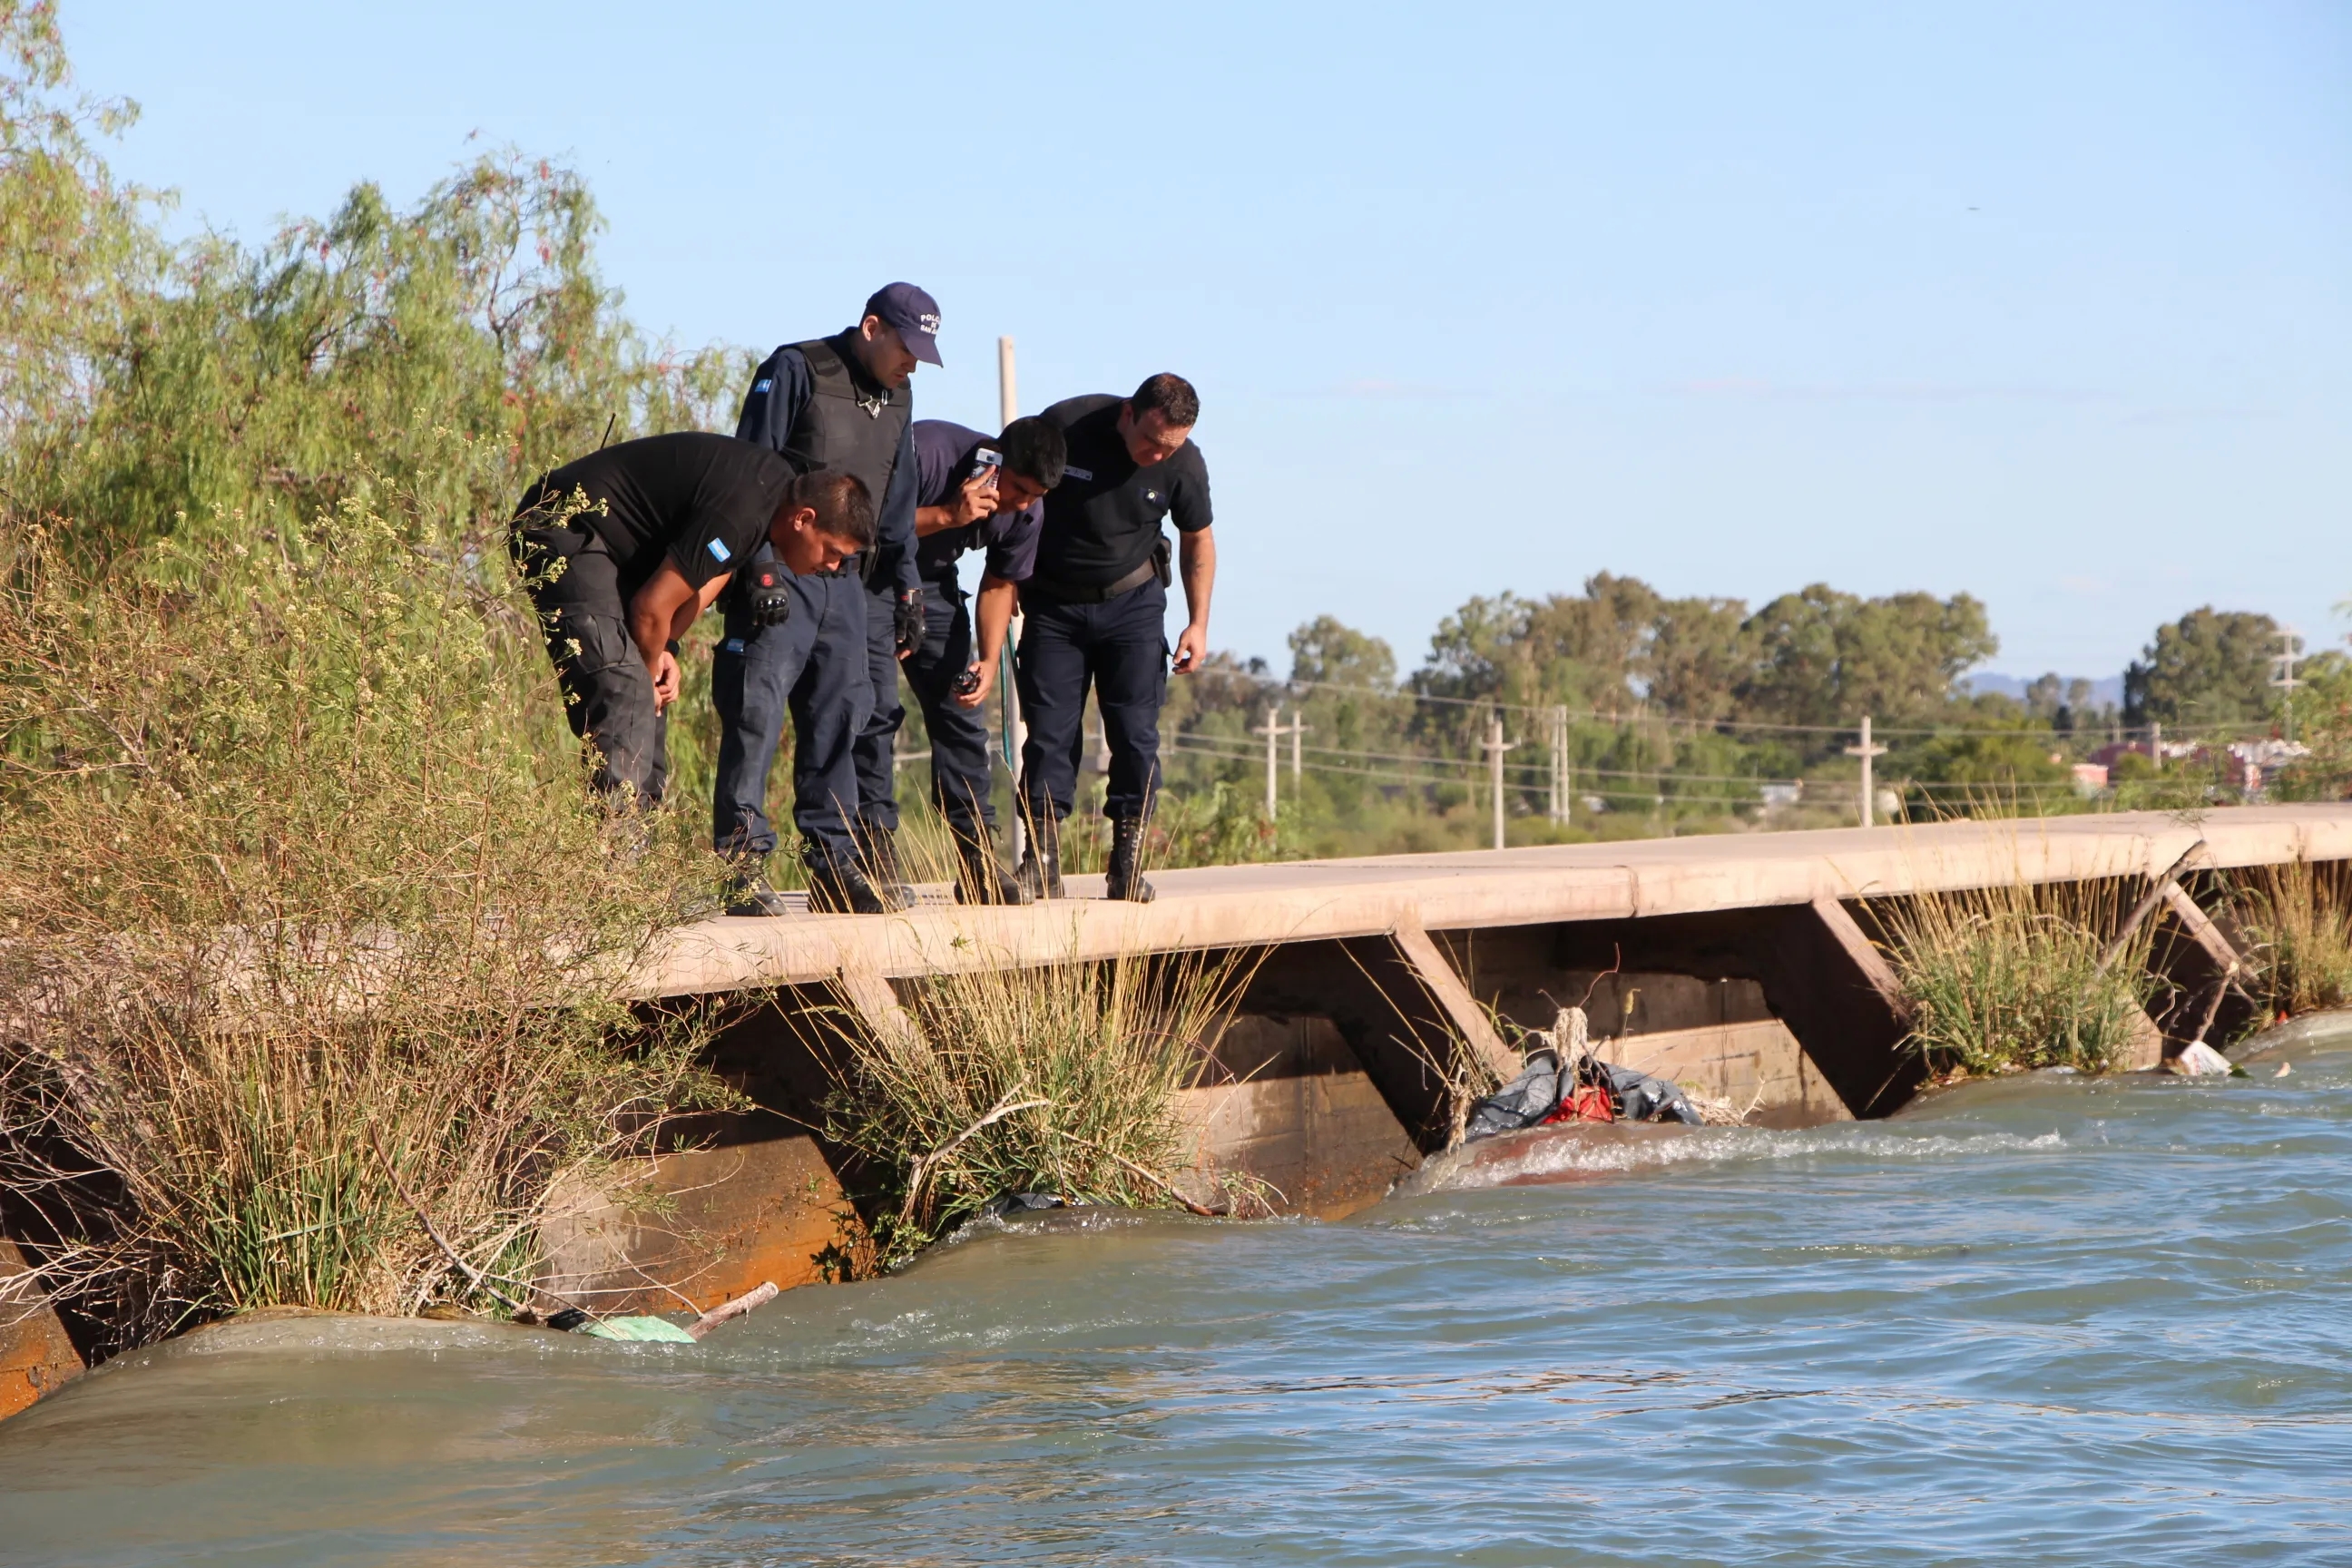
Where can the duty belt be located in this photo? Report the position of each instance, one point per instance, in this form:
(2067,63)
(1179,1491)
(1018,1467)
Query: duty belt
(1097,594)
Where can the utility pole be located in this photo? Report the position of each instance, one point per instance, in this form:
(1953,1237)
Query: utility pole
(2156,744)
(1298,734)
(2284,663)
(1561,783)
(1272,731)
(1866,752)
(1017,732)
(1495,747)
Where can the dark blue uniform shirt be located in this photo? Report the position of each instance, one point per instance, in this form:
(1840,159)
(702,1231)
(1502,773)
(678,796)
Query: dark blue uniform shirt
(779,393)
(946,454)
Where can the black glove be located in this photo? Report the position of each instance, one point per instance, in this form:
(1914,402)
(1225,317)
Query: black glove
(768,594)
(909,619)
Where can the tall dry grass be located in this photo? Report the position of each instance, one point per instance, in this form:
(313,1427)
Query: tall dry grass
(2298,920)
(2018,976)
(1057,1079)
(304,914)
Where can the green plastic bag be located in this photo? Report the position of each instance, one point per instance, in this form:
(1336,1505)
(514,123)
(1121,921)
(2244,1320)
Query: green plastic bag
(653,1331)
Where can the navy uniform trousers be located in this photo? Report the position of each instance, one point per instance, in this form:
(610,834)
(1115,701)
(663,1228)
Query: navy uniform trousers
(1120,649)
(959,774)
(814,667)
(878,736)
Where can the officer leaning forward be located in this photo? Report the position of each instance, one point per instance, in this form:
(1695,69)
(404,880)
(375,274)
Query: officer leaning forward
(625,547)
(1096,604)
(972,492)
(826,647)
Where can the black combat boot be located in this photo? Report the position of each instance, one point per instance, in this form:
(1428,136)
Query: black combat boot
(748,891)
(983,878)
(878,847)
(1126,879)
(1040,876)
(837,886)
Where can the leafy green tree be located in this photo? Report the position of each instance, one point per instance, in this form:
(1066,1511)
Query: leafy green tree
(2209,667)
(274,381)
(1826,658)
(2011,766)
(1329,651)
(78,250)
(1699,652)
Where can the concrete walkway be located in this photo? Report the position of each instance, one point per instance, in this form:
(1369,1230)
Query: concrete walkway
(1237,906)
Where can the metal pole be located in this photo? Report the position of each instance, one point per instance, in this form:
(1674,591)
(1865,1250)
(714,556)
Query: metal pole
(1016,732)
(1298,747)
(2156,744)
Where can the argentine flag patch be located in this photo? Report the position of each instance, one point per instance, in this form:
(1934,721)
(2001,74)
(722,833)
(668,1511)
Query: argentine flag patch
(763,384)
(719,551)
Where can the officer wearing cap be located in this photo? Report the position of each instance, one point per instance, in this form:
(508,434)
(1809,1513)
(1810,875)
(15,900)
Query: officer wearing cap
(972,492)
(621,549)
(839,402)
(1095,604)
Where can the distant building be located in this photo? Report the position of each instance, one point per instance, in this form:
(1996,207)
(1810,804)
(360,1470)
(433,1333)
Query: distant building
(2090,778)
(2258,761)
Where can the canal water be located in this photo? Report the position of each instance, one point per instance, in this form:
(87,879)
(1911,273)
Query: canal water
(2042,1321)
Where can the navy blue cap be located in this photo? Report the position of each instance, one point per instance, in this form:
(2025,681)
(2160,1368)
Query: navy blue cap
(914,312)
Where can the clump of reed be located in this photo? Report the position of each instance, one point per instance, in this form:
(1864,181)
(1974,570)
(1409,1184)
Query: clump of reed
(2297,919)
(2014,976)
(307,921)
(1057,1079)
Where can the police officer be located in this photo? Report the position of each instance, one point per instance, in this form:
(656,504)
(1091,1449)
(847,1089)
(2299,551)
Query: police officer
(1095,604)
(621,549)
(972,492)
(839,402)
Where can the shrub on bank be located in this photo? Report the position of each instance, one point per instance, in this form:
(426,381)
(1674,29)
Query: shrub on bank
(304,919)
(2297,919)
(1060,1078)
(2017,976)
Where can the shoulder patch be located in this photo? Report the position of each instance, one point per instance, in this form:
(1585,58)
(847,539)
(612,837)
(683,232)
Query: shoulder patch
(1071,470)
(719,551)
(765,383)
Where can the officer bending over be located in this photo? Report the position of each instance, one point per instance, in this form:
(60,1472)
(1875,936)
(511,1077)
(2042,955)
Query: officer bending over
(826,647)
(625,547)
(1096,603)
(972,492)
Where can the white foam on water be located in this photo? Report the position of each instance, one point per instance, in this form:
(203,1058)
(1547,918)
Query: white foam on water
(1570,1154)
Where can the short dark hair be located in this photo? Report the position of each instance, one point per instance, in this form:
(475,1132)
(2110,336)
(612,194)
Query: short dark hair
(1170,397)
(1035,450)
(844,505)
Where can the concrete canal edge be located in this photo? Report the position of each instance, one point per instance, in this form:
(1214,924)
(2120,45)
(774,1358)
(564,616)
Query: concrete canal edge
(1744,970)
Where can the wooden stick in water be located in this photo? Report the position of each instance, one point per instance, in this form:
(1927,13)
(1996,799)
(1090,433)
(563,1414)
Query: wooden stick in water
(726,1313)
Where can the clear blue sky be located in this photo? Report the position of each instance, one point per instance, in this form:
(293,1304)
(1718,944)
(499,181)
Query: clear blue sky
(2051,303)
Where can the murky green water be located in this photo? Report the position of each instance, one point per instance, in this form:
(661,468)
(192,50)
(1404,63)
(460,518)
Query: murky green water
(2040,1322)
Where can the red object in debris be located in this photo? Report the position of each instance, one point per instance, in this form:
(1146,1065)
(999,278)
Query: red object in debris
(1590,1103)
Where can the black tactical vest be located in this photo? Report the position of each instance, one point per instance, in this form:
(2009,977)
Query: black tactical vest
(843,426)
